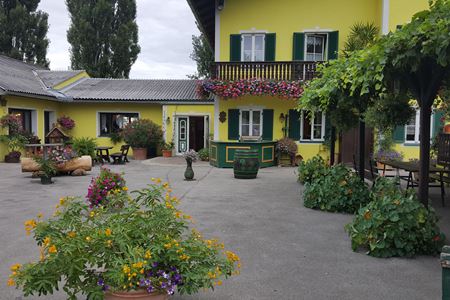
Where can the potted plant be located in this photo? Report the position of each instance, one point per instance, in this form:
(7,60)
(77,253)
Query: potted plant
(66,122)
(286,149)
(141,134)
(190,156)
(203,154)
(129,247)
(47,169)
(166,149)
(15,143)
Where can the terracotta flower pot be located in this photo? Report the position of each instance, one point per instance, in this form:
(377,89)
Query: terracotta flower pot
(136,295)
(139,153)
(447,128)
(167,153)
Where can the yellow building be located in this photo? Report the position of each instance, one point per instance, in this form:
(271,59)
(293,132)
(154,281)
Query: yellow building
(100,107)
(282,41)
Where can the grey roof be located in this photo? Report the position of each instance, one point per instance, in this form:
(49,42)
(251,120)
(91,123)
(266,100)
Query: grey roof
(20,77)
(53,78)
(101,89)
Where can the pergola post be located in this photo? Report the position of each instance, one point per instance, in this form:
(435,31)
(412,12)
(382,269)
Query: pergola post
(424,133)
(362,150)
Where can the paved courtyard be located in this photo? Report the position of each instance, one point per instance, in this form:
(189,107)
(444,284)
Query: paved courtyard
(287,251)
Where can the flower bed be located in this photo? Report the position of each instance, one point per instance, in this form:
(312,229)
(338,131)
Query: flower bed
(255,87)
(127,244)
(102,185)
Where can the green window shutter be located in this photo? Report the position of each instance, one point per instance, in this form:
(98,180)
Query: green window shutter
(399,134)
(294,124)
(333,45)
(270,44)
(298,49)
(437,123)
(267,133)
(233,124)
(235,47)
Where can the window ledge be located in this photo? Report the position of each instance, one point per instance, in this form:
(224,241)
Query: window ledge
(411,144)
(310,142)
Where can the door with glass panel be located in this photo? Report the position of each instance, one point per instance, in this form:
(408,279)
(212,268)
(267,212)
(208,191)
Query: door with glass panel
(182,134)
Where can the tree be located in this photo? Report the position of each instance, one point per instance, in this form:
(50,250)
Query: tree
(203,55)
(23,31)
(104,36)
(413,62)
(361,36)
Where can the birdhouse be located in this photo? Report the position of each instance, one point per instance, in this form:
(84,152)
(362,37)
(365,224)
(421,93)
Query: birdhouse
(57,136)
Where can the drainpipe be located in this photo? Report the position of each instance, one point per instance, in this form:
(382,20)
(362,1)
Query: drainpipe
(385,17)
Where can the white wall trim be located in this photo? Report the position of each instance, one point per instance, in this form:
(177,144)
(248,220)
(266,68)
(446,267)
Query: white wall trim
(217,35)
(34,117)
(52,119)
(385,17)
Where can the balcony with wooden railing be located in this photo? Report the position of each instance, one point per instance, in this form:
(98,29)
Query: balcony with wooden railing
(280,70)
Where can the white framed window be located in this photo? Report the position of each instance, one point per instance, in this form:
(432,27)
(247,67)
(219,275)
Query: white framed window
(250,122)
(315,46)
(114,122)
(412,129)
(312,126)
(252,47)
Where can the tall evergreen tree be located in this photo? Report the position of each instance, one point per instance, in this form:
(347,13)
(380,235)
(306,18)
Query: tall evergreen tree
(104,36)
(203,55)
(23,31)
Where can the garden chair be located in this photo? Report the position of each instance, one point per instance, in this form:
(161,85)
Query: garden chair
(121,157)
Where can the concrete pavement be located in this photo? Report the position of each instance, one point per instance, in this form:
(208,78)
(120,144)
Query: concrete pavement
(287,250)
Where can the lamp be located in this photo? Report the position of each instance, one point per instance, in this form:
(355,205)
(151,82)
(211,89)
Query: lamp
(220,4)
(222,116)
(282,118)
(168,120)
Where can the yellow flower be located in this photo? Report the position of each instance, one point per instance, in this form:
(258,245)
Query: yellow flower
(184,257)
(168,245)
(52,249)
(72,234)
(165,184)
(178,214)
(219,282)
(46,241)
(211,275)
(88,238)
(231,256)
(187,217)
(39,215)
(126,269)
(169,190)
(141,271)
(153,179)
(56,213)
(62,201)
(15,267)
(92,214)
(148,254)
(125,188)
(11,282)
(158,180)
(108,231)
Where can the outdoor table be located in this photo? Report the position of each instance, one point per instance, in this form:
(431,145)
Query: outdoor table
(411,167)
(103,153)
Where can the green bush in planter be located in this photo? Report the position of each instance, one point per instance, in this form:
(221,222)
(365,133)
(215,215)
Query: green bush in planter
(340,190)
(142,133)
(312,169)
(84,146)
(395,224)
(203,154)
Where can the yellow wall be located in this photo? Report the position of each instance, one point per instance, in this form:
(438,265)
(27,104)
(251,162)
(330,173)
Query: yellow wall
(37,105)
(289,16)
(85,116)
(408,152)
(69,81)
(307,150)
(401,11)
(172,111)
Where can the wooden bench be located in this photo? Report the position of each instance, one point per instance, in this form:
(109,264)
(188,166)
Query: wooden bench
(121,157)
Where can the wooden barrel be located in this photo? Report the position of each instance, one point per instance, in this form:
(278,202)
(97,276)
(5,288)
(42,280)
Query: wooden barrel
(246,164)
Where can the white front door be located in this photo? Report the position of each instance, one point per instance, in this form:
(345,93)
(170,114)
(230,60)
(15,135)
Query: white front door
(182,134)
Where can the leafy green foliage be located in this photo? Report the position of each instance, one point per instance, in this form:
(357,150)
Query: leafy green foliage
(23,33)
(119,246)
(203,154)
(46,165)
(103,36)
(395,224)
(203,55)
(361,35)
(84,146)
(142,133)
(312,169)
(115,137)
(340,190)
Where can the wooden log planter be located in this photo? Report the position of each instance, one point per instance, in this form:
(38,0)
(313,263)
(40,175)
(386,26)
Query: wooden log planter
(84,163)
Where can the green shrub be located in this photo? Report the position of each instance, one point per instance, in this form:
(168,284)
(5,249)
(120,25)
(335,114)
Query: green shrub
(395,224)
(203,154)
(311,169)
(142,133)
(341,190)
(84,146)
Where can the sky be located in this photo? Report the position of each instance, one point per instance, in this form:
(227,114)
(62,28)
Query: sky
(165,36)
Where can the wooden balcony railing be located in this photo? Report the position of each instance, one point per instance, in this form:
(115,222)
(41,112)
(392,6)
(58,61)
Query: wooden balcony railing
(280,70)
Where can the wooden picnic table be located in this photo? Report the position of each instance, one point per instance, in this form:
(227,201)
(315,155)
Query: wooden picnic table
(103,153)
(411,167)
